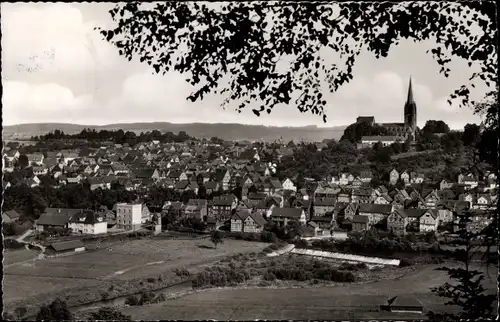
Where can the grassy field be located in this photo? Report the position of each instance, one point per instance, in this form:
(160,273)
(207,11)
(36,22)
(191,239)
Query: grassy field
(96,271)
(18,256)
(351,301)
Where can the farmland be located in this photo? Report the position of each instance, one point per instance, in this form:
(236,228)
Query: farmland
(351,301)
(18,256)
(81,277)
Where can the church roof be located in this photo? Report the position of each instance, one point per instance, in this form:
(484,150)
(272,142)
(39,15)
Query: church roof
(410,99)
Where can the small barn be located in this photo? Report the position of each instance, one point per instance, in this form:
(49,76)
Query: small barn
(403,304)
(69,246)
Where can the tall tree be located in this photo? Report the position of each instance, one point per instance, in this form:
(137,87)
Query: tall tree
(467,291)
(55,311)
(234,48)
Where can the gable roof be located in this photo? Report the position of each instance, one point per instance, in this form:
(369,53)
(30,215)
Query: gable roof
(375,208)
(67,245)
(286,212)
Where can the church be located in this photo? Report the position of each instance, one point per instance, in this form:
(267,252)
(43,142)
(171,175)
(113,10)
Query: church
(395,131)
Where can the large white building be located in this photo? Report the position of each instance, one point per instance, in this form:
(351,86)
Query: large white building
(128,216)
(385,140)
(88,222)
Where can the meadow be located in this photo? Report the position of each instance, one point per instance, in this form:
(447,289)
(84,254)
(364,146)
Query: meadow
(346,301)
(126,267)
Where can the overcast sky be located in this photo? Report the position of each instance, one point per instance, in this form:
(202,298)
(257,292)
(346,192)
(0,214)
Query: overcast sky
(56,68)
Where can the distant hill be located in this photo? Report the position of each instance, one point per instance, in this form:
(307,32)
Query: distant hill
(227,131)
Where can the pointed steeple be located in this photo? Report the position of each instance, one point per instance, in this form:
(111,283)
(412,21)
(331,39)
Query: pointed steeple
(410,100)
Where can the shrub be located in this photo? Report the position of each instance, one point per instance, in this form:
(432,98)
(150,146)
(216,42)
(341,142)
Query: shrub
(161,297)
(404,262)
(12,244)
(109,314)
(20,311)
(160,278)
(302,243)
(146,297)
(132,300)
(151,280)
(269,276)
(268,237)
(104,296)
(182,272)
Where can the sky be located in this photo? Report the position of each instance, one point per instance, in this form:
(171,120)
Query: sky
(56,68)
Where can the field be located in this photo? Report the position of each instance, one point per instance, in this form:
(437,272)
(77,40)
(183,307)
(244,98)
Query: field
(351,301)
(17,256)
(97,270)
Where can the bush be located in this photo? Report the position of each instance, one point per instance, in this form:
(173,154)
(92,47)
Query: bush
(12,244)
(151,280)
(268,237)
(146,298)
(302,243)
(132,300)
(269,277)
(404,262)
(109,314)
(104,296)
(182,272)
(161,297)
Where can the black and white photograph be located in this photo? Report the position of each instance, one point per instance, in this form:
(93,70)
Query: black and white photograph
(250,160)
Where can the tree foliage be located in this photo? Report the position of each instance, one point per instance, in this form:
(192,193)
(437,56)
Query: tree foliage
(235,48)
(467,291)
(55,311)
(434,126)
(109,314)
(217,238)
(354,132)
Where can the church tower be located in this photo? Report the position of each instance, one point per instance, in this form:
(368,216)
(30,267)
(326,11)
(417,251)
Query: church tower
(411,112)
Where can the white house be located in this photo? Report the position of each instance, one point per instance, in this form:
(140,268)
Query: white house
(429,221)
(88,222)
(288,185)
(385,140)
(128,216)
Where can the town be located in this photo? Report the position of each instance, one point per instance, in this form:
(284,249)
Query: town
(250,161)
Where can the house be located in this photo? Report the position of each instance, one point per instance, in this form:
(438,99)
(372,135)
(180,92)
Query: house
(10,216)
(35,158)
(344,196)
(405,177)
(363,195)
(403,304)
(416,178)
(377,214)
(400,220)
(283,216)
(444,184)
(70,246)
(128,216)
(383,199)
(366,176)
(360,223)
(429,221)
(88,222)
(324,205)
(220,208)
(201,207)
(246,221)
(211,186)
(55,218)
(323,222)
(11,155)
(393,176)
(288,185)
(344,211)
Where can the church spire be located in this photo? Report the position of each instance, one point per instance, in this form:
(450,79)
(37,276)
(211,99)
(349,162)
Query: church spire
(410,100)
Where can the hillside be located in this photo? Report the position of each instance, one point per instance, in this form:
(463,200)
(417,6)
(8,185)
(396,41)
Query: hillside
(200,130)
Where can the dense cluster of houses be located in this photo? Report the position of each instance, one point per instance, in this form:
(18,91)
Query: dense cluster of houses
(346,201)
